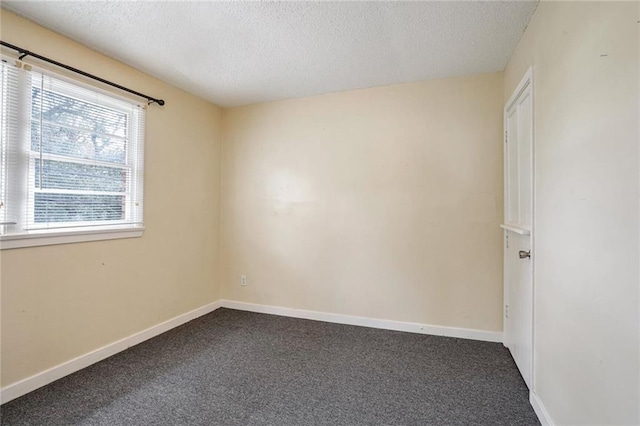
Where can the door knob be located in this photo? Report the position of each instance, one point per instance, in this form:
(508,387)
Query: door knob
(524,254)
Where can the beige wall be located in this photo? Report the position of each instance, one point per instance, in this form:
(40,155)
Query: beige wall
(382,202)
(59,302)
(585,59)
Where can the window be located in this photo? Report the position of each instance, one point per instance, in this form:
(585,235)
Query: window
(71,161)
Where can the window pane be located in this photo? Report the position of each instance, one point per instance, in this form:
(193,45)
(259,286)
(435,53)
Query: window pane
(64,175)
(78,208)
(72,155)
(72,112)
(35,136)
(79,144)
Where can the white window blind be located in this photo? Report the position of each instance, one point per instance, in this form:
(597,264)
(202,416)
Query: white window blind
(72,156)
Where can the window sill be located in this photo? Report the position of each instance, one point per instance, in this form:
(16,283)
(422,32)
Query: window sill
(48,238)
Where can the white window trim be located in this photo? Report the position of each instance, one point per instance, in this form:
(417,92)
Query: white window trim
(40,238)
(47,237)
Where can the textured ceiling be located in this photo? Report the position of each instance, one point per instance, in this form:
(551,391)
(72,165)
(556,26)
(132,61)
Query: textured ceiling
(237,53)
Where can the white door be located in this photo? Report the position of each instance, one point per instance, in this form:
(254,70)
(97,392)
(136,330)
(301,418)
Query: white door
(518,226)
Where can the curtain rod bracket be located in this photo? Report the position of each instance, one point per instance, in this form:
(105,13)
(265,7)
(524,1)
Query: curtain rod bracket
(25,52)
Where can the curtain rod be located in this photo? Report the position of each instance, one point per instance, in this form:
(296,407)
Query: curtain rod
(25,52)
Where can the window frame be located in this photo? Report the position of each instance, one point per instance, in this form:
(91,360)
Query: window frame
(74,232)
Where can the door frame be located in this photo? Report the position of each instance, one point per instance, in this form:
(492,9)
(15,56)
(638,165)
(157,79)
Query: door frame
(525,83)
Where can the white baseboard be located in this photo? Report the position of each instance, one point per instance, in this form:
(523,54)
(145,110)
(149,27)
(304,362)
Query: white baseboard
(36,381)
(411,327)
(541,412)
(43,378)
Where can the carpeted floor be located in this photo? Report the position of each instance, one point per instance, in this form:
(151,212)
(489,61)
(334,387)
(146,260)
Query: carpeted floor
(239,368)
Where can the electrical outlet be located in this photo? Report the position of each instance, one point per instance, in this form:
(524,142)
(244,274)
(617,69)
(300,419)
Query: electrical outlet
(243,280)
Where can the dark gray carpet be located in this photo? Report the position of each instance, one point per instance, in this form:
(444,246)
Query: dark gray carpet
(240,368)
